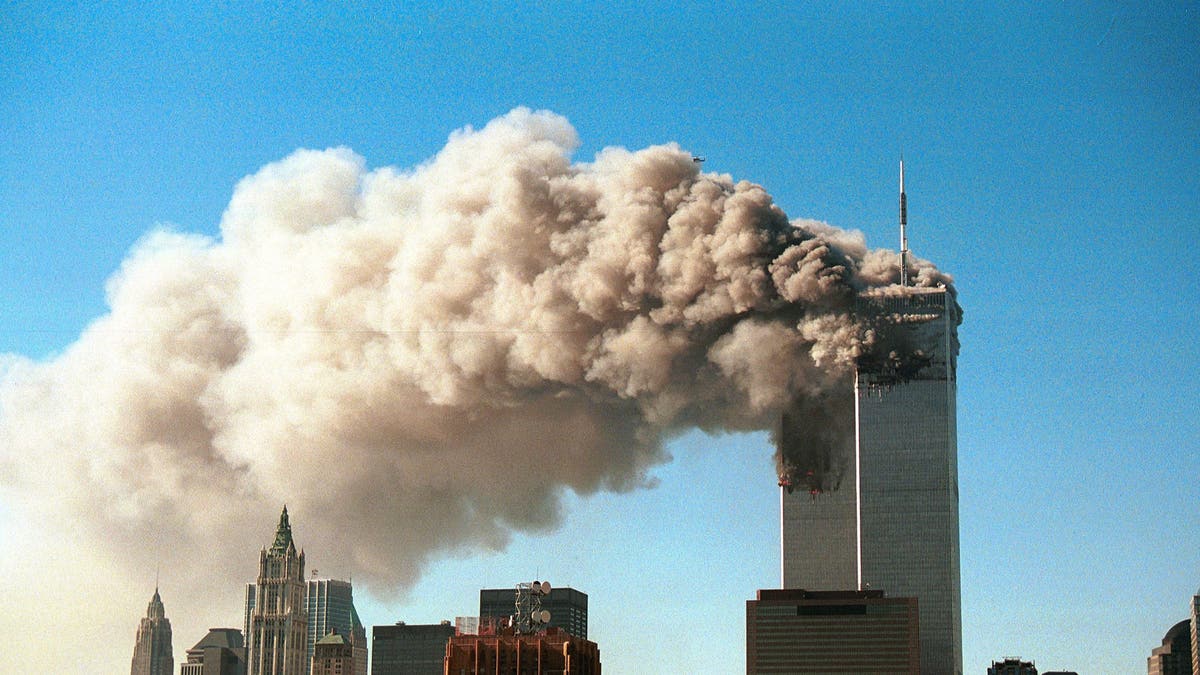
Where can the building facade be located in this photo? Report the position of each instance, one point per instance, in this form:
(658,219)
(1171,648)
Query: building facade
(888,519)
(277,623)
(1174,655)
(568,607)
(152,650)
(827,632)
(550,652)
(334,655)
(330,607)
(404,649)
(221,652)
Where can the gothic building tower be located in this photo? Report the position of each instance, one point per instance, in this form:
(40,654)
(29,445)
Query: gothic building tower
(278,624)
(152,653)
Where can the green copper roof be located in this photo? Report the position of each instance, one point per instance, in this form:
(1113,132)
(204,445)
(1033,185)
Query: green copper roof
(283,534)
(332,639)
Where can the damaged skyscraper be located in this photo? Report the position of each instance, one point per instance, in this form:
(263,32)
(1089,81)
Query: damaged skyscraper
(871,500)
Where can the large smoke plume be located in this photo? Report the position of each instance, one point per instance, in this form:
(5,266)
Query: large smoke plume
(423,361)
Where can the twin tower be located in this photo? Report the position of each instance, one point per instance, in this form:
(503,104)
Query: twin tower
(892,523)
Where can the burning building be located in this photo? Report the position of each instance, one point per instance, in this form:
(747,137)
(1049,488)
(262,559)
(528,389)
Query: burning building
(869,471)
(500,306)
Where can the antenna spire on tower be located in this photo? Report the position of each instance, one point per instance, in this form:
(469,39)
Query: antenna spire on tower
(903,228)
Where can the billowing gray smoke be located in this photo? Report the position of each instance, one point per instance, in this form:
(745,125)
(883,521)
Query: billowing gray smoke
(422,361)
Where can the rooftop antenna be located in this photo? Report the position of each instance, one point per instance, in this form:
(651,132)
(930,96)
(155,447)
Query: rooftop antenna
(903,228)
(530,617)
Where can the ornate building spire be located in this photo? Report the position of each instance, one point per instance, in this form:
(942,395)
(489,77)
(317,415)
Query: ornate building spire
(155,609)
(283,534)
(152,652)
(276,620)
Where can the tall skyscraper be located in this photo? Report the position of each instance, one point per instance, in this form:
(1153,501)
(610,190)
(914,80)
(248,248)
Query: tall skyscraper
(330,605)
(277,623)
(888,519)
(152,652)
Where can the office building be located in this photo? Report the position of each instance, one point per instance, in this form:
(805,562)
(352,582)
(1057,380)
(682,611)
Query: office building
(568,607)
(550,652)
(152,650)
(404,649)
(1174,655)
(892,521)
(330,607)
(335,655)
(872,501)
(221,652)
(827,632)
(277,623)
(1011,665)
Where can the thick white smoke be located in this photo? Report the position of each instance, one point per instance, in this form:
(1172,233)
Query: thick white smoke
(421,361)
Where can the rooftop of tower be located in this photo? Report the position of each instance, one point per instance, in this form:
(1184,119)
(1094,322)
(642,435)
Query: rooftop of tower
(155,609)
(283,533)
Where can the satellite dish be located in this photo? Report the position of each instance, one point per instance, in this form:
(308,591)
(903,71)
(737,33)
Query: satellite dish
(546,587)
(544,615)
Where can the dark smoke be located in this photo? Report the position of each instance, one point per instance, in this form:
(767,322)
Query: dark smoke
(813,444)
(901,339)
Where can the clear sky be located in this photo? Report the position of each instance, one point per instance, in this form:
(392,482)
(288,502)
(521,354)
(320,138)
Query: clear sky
(1053,168)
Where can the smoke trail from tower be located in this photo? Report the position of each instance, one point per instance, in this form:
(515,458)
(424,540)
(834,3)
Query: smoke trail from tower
(390,352)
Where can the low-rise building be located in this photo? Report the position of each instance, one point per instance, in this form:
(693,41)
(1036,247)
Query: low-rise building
(221,652)
(1174,655)
(824,632)
(333,655)
(404,649)
(549,652)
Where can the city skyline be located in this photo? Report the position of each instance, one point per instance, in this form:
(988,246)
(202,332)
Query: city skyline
(1050,168)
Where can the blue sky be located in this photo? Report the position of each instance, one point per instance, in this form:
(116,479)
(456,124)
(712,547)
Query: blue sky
(1052,168)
